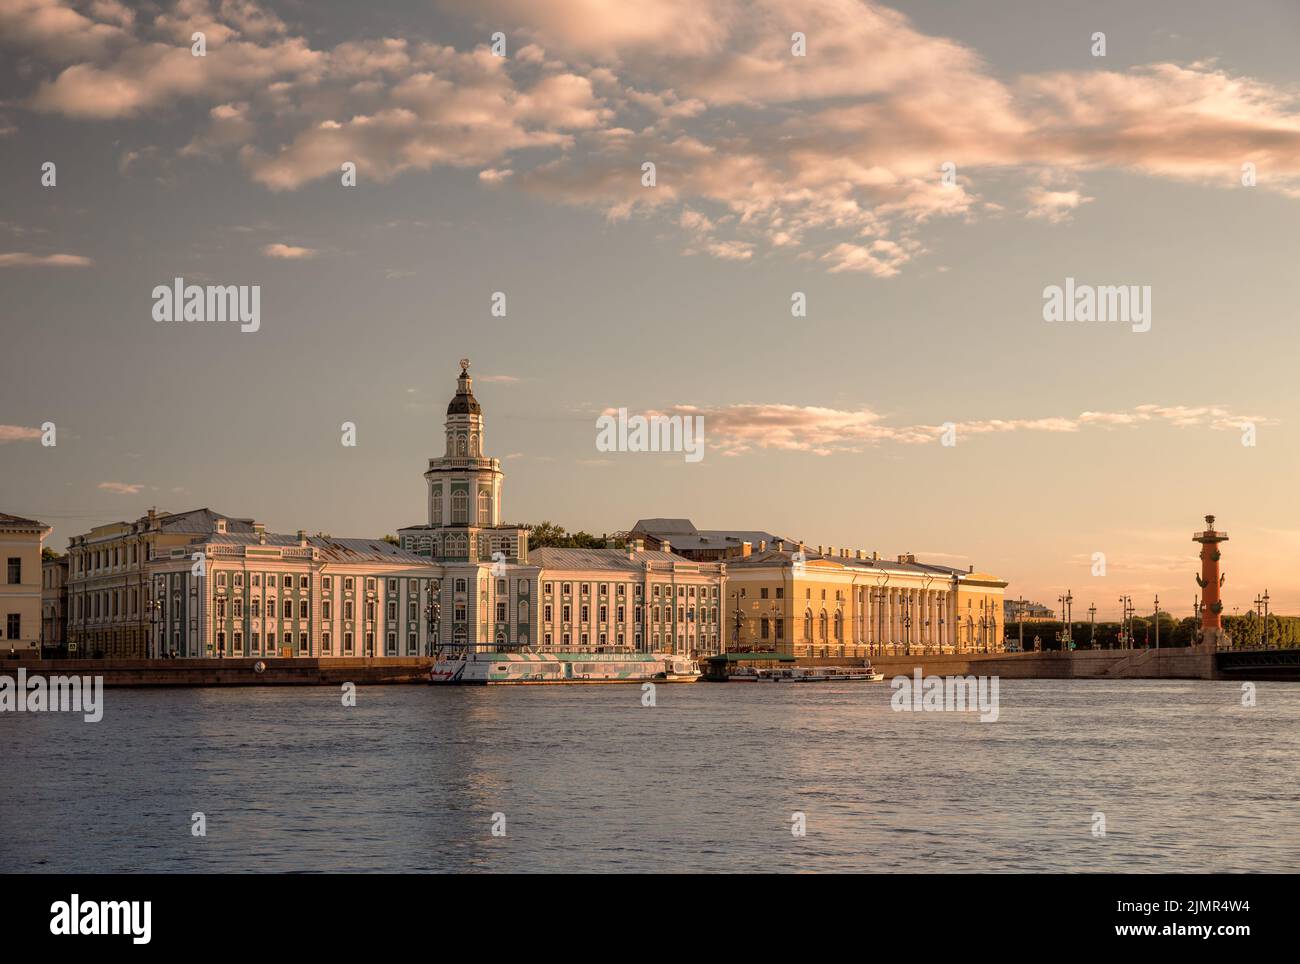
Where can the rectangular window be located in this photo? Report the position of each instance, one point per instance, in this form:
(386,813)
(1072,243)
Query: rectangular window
(326,644)
(14,626)
(302,644)
(392,644)
(303,610)
(288,581)
(347,644)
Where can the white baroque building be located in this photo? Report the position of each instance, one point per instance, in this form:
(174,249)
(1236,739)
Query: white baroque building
(496,594)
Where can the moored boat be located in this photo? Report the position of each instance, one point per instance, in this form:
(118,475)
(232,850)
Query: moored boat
(820,674)
(526,667)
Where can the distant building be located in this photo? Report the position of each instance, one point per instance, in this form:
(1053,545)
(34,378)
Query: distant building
(1033,612)
(20,592)
(54,602)
(703,545)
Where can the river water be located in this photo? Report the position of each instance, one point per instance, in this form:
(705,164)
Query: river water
(415,778)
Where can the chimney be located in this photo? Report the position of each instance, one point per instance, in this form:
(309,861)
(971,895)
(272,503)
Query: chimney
(907,557)
(261,533)
(302,537)
(665,546)
(875,556)
(819,550)
(844,553)
(762,545)
(746,548)
(972,568)
(221,526)
(857,554)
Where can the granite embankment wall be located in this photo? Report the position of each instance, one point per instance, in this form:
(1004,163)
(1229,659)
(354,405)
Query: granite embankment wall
(1185,663)
(231,672)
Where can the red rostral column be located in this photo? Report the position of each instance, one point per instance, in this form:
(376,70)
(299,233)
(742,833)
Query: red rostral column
(1210,581)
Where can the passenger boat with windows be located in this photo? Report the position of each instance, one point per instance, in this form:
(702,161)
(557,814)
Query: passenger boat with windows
(467,666)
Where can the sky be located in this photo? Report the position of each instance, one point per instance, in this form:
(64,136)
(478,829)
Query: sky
(920,174)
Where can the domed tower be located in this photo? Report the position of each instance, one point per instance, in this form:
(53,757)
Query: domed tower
(464,485)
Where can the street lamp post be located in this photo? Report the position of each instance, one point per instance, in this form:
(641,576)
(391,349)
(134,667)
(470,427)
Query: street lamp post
(1264,628)
(155,614)
(1066,634)
(433,618)
(1092,626)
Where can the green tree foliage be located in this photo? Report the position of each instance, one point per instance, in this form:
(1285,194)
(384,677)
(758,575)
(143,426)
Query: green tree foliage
(546,535)
(1283,631)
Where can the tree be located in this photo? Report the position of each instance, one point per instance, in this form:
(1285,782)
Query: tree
(546,534)
(391,540)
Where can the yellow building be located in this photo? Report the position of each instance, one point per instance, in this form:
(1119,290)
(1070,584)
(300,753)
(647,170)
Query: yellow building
(20,593)
(827,603)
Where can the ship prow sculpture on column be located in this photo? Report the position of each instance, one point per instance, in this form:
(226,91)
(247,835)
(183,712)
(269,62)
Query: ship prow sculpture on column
(1210,580)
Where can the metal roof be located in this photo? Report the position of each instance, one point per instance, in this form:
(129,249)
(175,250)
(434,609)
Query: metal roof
(553,558)
(338,550)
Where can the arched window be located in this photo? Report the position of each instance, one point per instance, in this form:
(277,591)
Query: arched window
(839,626)
(435,507)
(459,508)
(807,626)
(473,445)
(462,448)
(821,626)
(484,508)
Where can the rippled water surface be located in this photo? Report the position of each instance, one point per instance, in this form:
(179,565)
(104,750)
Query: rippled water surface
(589,779)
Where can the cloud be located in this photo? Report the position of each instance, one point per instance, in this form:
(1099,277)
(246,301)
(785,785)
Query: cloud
(1054,206)
(22,259)
(503,379)
(288,252)
(18,433)
(57,31)
(738,429)
(834,157)
(122,488)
